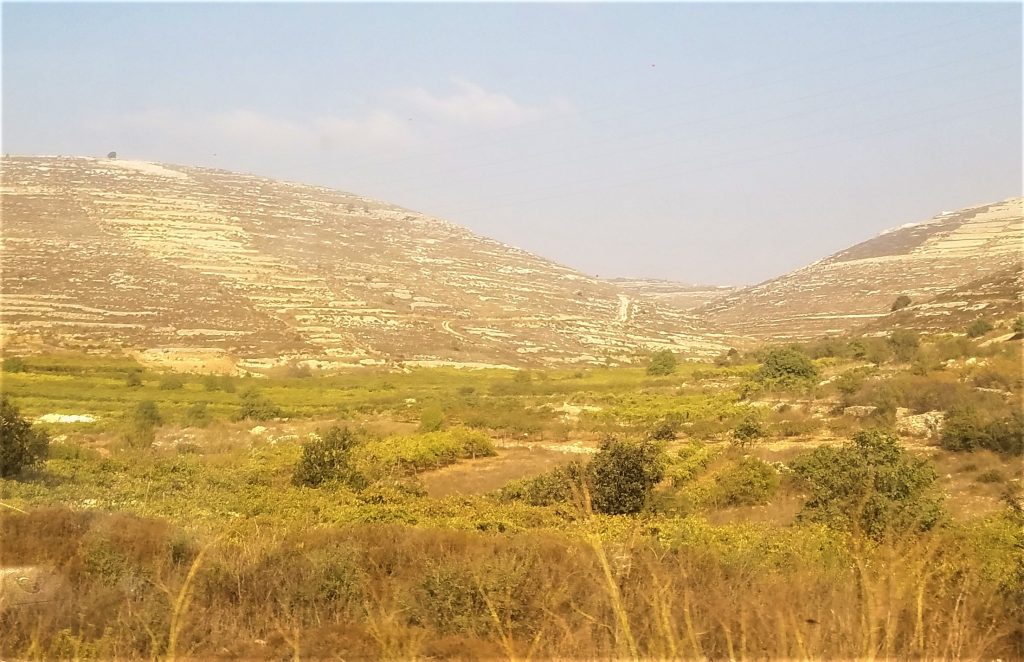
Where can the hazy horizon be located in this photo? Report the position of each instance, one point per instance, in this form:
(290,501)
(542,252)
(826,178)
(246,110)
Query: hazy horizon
(711,144)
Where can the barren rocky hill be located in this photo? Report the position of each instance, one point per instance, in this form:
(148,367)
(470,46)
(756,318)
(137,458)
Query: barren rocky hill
(193,266)
(857,286)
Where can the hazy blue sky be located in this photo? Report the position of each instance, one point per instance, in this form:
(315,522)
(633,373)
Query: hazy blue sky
(706,143)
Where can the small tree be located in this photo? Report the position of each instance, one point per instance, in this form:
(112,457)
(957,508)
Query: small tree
(749,430)
(902,301)
(14,364)
(623,475)
(978,328)
(662,363)
(328,458)
(21,446)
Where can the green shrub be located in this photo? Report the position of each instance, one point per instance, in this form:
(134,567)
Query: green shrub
(623,475)
(21,447)
(870,485)
(662,363)
(666,428)
(431,420)
(1018,325)
(750,482)
(978,328)
(560,485)
(785,366)
(968,429)
(14,364)
(688,462)
(171,382)
(256,407)
(327,458)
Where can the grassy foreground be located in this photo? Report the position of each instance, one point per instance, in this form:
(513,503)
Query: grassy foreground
(189,536)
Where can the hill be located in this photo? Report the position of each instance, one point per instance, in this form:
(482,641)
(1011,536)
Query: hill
(683,296)
(197,267)
(995,297)
(858,285)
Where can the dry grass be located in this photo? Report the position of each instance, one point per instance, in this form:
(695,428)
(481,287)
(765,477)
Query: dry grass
(140,589)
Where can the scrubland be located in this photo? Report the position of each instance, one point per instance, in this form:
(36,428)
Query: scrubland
(850,498)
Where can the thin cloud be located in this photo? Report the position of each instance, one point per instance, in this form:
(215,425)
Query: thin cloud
(471,104)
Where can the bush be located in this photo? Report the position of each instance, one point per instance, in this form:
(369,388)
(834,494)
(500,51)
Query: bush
(431,420)
(623,475)
(256,407)
(14,364)
(967,429)
(902,301)
(666,428)
(560,485)
(328,458)
(197,416)
(904,344)
(991,476)
(133,379)
(870,485)
(21,447)
(750,482)
(662,363)
(171,382)
(219,383)
(785,365)
(1018,326)
(978,328)
(140,424)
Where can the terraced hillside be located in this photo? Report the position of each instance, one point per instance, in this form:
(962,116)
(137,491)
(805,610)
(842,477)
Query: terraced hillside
(679,295)
(194,267)
(857,286)
(995,297)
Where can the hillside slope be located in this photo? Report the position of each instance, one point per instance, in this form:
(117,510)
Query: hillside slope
(857,285)
(185,263)
(995,297)
(679,295)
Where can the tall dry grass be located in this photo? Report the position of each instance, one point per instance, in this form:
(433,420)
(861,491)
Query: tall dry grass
(139,589)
